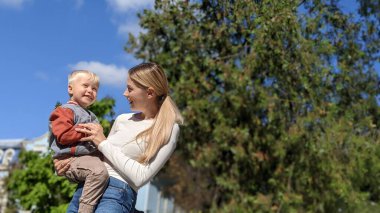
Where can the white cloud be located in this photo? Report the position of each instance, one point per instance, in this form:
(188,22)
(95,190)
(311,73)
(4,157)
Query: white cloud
(129,59)
(125,15)
(130,26)
(42,76)
(78,3)
(126,5)
(15,4)
(109,74)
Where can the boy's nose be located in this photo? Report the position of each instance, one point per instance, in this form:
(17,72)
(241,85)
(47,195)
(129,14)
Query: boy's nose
(89,91)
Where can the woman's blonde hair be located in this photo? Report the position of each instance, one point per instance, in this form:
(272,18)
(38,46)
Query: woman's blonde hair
(147,75)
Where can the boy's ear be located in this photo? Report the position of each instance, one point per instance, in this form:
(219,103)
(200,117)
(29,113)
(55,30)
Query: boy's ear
(70,90)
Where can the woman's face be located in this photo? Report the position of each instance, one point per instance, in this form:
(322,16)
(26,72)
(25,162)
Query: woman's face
(137,97)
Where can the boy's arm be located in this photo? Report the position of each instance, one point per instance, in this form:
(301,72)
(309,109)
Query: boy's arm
(62,126)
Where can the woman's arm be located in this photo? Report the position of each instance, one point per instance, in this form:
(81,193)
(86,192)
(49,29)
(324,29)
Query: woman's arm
(136,173)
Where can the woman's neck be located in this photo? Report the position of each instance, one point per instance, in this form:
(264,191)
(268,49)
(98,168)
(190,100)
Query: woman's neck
(148,114)
(149,111)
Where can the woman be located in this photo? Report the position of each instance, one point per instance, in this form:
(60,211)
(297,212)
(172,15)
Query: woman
(138,144)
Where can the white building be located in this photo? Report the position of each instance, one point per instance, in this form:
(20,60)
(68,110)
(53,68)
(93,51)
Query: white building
(9,151)
(151,200)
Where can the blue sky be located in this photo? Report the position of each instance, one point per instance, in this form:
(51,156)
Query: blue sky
(43,40)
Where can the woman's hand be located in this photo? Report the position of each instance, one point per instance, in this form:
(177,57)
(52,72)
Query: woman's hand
(93,131)
(62,165)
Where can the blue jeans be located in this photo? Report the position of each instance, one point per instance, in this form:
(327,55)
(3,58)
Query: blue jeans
(119,197)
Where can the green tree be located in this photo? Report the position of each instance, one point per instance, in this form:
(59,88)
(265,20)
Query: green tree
(279,98)
(103,109)
(33,184)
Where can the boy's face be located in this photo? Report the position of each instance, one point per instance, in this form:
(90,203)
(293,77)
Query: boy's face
(83,90)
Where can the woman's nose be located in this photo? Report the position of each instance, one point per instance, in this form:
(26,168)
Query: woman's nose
(126,93)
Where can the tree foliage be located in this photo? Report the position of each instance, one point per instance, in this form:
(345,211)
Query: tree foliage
(280,100)
(103,109)
(33,184)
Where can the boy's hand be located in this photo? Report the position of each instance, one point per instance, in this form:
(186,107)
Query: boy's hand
(62,165)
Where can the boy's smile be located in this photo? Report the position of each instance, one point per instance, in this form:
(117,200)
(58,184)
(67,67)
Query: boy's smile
(83,90)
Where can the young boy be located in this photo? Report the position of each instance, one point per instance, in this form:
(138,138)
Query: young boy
(64,140)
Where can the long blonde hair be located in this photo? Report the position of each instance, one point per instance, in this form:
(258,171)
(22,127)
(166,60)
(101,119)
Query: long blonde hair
(147,75)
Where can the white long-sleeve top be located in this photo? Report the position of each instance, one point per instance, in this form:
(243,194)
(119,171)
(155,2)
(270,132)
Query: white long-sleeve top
(122,151)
